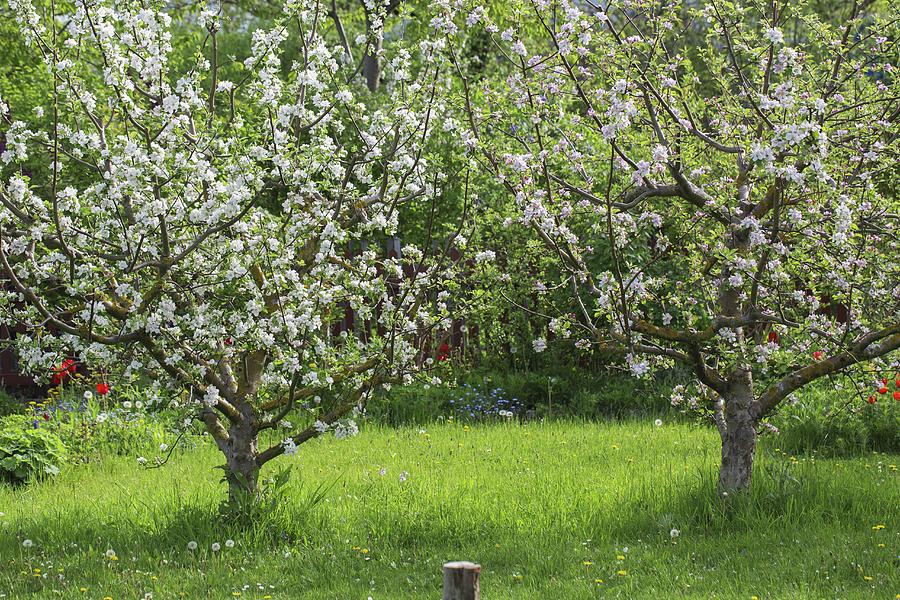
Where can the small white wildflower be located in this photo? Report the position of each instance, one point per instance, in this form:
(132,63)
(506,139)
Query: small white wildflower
(229,543)
(27,543)
(88,395)
(674,533)
(141,460)
(192,545)
(403,476)
(216,546)
(163,447)
(658,422)
(110,553)
(539,345)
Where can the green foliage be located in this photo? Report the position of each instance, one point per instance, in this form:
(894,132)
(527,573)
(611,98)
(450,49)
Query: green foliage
(835,423)
(28,450)
(552,392)
(9,405)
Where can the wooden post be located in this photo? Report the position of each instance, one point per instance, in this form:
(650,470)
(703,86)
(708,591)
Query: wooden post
(461,581)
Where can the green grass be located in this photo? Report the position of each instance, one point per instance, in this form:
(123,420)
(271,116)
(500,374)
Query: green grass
(545,508)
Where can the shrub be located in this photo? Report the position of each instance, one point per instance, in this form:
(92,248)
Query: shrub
(836,422)
(28,450)
(10,405)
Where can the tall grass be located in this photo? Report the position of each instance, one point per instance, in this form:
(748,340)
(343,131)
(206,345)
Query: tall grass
(546,508)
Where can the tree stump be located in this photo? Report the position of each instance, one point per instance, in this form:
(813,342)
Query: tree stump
(461,581)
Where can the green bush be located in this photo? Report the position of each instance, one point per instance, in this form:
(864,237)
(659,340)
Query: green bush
(9,405)
(547,393)
(835,422)
(28,450)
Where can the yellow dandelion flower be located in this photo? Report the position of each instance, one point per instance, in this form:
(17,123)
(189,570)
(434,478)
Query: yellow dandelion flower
(598,580)
(82,589)
(587,563)
(620,557)
(622,573)
(867,578)
(877,527)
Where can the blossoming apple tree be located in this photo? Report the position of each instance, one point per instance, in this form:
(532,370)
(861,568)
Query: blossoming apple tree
(175,210)
(716,182)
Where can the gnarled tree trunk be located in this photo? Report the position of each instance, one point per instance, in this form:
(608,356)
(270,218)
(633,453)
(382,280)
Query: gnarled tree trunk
(242,467)
(738,437)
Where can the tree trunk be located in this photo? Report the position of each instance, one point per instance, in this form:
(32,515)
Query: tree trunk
(372,62)
(242,468)
(738,440)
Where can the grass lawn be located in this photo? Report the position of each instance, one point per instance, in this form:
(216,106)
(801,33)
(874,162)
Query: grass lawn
(551,511)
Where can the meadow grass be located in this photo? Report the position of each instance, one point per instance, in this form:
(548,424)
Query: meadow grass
(550,510)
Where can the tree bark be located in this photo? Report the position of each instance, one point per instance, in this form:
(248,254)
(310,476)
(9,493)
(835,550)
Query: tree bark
(738,439)
(372,63)
(242,468)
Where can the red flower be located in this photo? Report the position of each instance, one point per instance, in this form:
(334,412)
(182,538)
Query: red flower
(46,416)
(897,395)
(773,337)
(872,399)
(817,355)
(444,351)
(102,388)
(882,390)
(884,380)
(65,370)
(229,341)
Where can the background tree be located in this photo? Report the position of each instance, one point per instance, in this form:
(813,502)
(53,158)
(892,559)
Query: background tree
(190,212)
(725,206)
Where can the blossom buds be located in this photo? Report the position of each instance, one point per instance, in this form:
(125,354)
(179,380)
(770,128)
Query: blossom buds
(817,355)
(872,399)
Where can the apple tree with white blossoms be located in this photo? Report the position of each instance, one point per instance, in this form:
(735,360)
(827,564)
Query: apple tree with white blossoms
(715,180)
(187,213)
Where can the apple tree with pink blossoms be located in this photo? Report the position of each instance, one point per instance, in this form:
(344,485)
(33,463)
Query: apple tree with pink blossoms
(187,214)
(716,182)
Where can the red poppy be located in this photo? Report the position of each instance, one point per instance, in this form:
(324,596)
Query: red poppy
(817,355)
(872,399)
(444,351)
(882,390)
(102,388)
(897,395)
(773,337)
